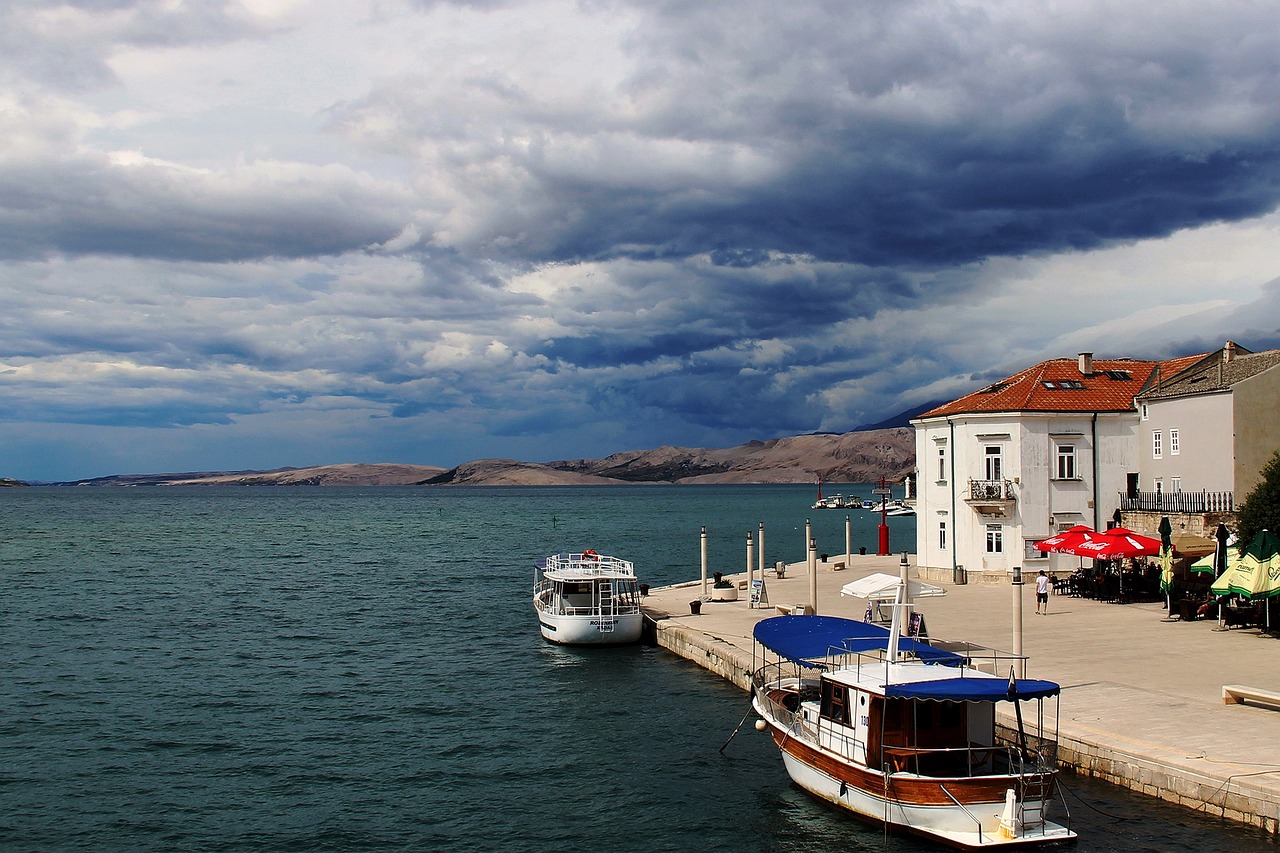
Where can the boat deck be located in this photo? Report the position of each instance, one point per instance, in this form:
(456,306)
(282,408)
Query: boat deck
(1141,700)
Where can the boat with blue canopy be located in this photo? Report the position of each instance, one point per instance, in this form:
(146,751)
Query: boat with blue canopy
(905,732)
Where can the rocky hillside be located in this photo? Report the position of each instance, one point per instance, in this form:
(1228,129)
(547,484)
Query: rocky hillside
(853,457)
(508,472)
(354,474)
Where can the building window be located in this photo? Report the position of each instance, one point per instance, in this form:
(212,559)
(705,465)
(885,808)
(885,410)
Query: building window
(1175,484)
(942,535)
(1034,553)
(1173,442)
(995,538)
(942,464)
(1157,448)
(993,463)
(1145,413)
(1066,461)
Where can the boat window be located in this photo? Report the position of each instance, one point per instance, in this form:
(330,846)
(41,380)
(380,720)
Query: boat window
(835,702)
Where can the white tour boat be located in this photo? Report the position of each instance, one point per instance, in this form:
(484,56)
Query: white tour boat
(905,734)
(587,599)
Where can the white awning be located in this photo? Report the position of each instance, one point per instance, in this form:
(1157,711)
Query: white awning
(884,587)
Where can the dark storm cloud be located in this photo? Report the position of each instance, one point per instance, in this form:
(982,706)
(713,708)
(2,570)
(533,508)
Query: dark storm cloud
(917,134)
(89,206)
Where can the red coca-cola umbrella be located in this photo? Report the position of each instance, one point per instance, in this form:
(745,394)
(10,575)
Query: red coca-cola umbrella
(1118,543)
(1067,539)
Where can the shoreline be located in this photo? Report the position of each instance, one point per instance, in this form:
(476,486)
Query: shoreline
(1141,702)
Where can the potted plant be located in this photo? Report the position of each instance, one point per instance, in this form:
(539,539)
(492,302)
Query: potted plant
(723,590)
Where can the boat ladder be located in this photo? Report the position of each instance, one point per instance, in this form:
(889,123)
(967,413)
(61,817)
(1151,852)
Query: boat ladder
(1035,787)
(608,610)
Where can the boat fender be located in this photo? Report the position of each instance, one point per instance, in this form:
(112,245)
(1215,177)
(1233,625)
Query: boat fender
(1009,820)
(590,554)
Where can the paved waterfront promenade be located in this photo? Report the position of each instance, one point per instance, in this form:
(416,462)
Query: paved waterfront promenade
(1142,698)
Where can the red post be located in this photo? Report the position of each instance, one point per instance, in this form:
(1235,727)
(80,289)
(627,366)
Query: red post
(884,492)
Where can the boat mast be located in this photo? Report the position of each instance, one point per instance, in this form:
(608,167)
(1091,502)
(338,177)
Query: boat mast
(901,610)
(900,607)
(1017,710)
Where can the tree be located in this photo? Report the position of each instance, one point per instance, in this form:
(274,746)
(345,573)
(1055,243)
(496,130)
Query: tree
(1260,510)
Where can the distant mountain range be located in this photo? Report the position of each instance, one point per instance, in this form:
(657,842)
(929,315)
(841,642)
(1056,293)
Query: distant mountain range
(854,457)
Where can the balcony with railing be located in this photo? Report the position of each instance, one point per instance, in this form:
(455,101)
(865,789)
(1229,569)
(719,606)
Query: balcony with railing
(1195,503)
(991,497)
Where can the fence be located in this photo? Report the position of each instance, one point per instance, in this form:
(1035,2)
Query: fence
(1188,502)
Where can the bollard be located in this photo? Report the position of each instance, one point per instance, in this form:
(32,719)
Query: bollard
(695,607)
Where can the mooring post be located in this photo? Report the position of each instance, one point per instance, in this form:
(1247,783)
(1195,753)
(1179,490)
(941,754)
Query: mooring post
(704,560)
(760,545)
(813,576)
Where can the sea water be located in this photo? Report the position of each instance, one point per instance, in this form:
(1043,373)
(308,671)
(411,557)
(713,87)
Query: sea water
(303,668)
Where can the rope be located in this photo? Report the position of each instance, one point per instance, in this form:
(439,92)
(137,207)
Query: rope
(735,728)
(1085,802)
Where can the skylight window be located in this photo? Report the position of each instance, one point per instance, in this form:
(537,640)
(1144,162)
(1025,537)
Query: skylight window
(1119,375)
(1071,384)
(999,386)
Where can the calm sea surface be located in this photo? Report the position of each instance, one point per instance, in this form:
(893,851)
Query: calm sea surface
(344,669)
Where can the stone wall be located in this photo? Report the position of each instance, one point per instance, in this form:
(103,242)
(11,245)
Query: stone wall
(1205,524)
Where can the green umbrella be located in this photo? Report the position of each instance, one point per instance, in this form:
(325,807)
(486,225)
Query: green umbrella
(1166,563)
(1265,546)
(1208,563)
(1256,573)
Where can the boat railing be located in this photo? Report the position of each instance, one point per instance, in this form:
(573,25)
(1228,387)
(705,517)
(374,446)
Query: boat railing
(589,565)
(623,601)
(1034,756)
(959,762)
(976,820)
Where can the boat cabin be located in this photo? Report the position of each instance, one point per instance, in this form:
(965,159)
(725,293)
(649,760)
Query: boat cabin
(929,737)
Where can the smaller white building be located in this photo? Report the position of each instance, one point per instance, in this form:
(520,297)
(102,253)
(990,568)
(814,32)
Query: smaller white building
(1207,432)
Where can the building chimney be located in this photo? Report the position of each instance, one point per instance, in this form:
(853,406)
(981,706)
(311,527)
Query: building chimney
(1229,352)
(1086,363)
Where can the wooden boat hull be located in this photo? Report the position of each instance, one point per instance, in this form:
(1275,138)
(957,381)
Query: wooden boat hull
(917,804)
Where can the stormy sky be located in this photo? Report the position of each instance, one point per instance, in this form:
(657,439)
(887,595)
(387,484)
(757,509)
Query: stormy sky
(258,233)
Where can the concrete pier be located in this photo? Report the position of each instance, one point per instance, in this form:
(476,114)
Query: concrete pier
(1141,701)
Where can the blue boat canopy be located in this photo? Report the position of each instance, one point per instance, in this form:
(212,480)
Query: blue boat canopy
(806,640)
(973,689)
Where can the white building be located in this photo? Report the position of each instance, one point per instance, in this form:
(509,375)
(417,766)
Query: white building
(1013,463)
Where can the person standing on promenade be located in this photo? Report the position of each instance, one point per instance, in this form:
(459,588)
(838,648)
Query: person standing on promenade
(1042,594)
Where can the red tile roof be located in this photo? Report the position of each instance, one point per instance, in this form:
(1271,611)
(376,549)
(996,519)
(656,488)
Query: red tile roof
(1058,385)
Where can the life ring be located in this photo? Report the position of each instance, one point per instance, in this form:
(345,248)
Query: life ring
(590,554)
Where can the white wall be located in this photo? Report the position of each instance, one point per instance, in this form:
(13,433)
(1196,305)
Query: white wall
(1106,450)
(1206,458)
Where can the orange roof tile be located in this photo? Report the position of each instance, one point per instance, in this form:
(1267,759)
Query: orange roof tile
(1058,385)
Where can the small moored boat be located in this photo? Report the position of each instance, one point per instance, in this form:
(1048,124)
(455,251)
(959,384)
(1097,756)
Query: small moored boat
(587,599)
(905,734)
